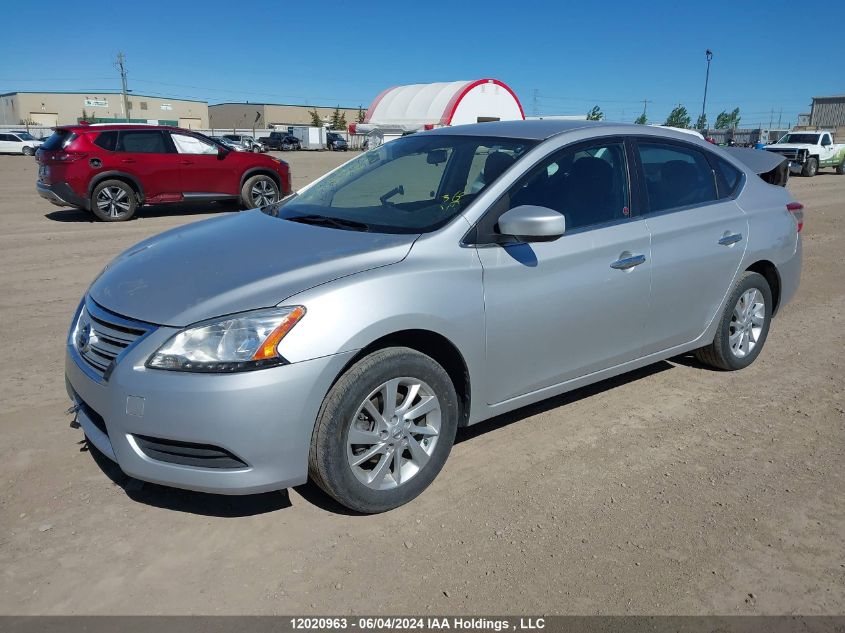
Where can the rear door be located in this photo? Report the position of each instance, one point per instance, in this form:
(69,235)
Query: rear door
(147,155)
(7,143)
(698,237)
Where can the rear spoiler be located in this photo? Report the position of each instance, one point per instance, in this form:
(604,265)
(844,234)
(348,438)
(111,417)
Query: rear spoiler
(771,167)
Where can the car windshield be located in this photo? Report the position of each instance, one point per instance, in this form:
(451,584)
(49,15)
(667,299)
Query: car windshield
(414,184)
(809,139)
(25,136)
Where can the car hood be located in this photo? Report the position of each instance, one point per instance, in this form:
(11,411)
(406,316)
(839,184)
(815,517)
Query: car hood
(790,146)
(239,262)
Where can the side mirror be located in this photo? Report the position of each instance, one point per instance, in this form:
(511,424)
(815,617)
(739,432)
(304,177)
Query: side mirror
(222,152)
(529,223)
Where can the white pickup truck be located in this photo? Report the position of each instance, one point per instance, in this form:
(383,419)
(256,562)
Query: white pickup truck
(807,152)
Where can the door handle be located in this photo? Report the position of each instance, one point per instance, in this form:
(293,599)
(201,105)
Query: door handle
(730,238)
(128,160)
(187,162)
(628,262)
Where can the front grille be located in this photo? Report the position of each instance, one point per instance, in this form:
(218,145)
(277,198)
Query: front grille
(101,337)
(187,453)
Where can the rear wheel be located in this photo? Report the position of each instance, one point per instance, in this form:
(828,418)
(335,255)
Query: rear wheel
(743,327)
(810,167)
(840,168)
(384,430)
(113,201)
(259,191)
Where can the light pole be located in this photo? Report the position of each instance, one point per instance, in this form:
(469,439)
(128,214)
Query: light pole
(709,54)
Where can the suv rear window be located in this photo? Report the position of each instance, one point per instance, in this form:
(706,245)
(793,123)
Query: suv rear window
(106,140)
(58,140)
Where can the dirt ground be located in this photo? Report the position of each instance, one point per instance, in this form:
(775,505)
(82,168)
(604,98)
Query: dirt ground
(673,490)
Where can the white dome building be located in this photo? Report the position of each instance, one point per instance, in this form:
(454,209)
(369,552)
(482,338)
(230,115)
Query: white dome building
(425,106)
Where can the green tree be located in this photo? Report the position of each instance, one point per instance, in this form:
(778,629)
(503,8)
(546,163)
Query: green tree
(338,119)
(316,120)
(342,124)
(728,120)
(701,122)
(641,120)
(361,114)
(678,117)
(595,114)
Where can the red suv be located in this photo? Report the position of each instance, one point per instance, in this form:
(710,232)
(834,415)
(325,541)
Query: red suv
(111,170)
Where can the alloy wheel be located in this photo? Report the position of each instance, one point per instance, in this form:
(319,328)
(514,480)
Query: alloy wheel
(393,434)
(747,321)
(114,201)
(263,193)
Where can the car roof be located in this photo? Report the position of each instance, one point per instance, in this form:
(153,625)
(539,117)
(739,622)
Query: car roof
(106,127)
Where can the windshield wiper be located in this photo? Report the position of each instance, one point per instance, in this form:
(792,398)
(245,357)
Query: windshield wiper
(323,220)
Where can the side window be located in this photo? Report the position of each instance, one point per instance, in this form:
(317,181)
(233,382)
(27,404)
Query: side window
(141,142)
(106,140)
(676,176)
(588,185)
(826,140)
(192,145)
(6,137)
(728,177)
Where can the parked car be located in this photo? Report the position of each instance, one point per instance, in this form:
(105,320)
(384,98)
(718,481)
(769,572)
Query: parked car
(807,152)
(111,170)
(19,143)
(345,333)
(229,144)
(248,142)
(281,141)
(336,142)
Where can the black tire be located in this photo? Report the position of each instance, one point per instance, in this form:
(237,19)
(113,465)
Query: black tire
(113,201)
(719,353)
(810,167)
(28,151)
(251,196)
(840,168)
(328,464)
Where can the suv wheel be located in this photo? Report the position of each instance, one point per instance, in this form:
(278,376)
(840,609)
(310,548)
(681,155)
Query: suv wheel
(384,430)
(743,327)
(259,191)
(113,201)
(28,151)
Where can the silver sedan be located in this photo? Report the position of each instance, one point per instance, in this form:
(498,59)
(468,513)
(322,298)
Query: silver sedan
(347,332)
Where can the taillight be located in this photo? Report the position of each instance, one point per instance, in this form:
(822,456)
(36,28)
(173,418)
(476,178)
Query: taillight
(797,211)
(69,157)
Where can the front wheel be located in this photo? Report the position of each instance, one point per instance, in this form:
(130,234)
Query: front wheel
(384,430)
(810,167)
(113,201)
(28,151)
(743,327)
(259,191)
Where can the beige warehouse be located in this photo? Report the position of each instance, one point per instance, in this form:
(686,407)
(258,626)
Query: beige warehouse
(243,115)
(64,108)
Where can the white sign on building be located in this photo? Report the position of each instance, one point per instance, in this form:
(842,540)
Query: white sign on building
(166,106)
(97,103)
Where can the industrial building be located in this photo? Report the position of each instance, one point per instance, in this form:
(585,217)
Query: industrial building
(63,108)
(828,112)
(227,116)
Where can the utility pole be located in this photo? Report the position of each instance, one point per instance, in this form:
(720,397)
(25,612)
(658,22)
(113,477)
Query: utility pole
(535,103)
(121,66)
(771,118)
(709,55)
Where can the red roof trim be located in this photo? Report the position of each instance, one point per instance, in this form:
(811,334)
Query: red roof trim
(371,110)
(449,112)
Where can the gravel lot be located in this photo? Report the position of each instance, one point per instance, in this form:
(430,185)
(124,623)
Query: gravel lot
(673,490)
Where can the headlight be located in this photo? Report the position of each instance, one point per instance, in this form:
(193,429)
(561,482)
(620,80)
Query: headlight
(240,342)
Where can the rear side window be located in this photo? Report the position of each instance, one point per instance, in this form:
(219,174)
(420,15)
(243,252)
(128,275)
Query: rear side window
(106,140)
(141,142)
(728,177)
(58,140)
(676,176)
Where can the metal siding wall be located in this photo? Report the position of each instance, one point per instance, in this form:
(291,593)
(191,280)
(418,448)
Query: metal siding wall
(828,112)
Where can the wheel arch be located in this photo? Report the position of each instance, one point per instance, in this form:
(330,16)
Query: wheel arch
(116,175)
(770,272)
(434,345)
(262,171)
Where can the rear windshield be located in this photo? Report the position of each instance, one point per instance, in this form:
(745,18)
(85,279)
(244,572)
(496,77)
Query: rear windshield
(58,140)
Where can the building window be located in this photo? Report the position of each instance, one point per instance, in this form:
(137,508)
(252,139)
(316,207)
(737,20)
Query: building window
(143,105)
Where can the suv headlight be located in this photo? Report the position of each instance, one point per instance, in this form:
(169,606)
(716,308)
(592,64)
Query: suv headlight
(240,342)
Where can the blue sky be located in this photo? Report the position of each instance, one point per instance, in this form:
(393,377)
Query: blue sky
(575,55)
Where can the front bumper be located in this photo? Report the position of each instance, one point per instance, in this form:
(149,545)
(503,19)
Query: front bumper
(264,418)
(60,194)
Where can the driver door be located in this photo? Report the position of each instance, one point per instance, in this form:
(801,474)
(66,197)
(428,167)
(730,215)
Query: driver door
(559,310)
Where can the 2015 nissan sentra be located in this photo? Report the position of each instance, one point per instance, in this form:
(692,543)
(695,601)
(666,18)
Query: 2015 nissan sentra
(439,280)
